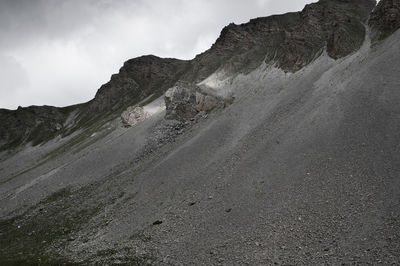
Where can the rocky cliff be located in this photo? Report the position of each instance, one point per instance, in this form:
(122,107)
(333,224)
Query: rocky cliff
(136,80)
(291,41)
(385,19)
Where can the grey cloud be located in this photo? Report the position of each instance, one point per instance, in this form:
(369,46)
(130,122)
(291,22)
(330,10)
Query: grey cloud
(13,76)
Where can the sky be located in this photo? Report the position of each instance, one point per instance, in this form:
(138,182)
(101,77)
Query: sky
(59,52)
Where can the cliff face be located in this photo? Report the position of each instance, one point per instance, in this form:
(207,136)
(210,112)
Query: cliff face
(137,79)
(290,41)
(385,19)
(34,124)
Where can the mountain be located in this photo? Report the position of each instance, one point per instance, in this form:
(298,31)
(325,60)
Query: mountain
(291,41)
(278,145)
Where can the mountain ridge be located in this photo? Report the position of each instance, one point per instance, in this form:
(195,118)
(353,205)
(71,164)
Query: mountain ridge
(287,40)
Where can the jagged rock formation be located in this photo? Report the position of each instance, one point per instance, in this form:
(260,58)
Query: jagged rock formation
(385,19)
(31,124)
(185,100)
(133,115)
(137,79)
(291,40)
(180,101)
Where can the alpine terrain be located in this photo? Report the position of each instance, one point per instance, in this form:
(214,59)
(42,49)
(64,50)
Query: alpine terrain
(280,145)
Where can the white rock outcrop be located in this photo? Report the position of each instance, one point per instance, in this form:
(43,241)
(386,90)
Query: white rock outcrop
(133,115)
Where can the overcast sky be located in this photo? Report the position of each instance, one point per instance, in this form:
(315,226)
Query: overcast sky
(59,52)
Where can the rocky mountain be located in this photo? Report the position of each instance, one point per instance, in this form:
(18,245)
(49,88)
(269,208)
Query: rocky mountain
(277,146)
(290,41)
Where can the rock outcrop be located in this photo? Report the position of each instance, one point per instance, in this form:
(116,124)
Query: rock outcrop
(34,124)
(137,79)
(385,19)
(185,100)
(290,41)
(133,115)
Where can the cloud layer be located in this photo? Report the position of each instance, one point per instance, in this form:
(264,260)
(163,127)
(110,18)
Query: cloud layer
(60,52)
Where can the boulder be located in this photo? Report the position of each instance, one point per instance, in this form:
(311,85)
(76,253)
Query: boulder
(133,115)
(185,100)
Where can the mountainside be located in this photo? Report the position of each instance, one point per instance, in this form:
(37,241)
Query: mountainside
(290,41)
(278,145)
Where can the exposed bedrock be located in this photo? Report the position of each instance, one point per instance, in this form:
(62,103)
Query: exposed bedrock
(385,19)
(185,100)
(133,115)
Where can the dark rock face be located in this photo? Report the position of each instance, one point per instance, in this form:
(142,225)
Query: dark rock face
(385,19)
(137,79)
(180,101)
(32,124)
(291,40)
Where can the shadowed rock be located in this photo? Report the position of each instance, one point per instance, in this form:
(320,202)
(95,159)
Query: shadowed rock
(385,19)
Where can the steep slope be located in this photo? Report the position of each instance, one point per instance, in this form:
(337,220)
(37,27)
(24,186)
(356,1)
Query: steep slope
(300,169)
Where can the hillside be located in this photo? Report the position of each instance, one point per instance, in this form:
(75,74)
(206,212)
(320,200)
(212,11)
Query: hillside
(278,145)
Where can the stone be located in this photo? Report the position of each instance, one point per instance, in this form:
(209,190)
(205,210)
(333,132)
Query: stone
(158,222)
(185,100)
(133,115)
(205,103)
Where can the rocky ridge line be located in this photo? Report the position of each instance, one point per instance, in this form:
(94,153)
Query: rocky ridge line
(291,41)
